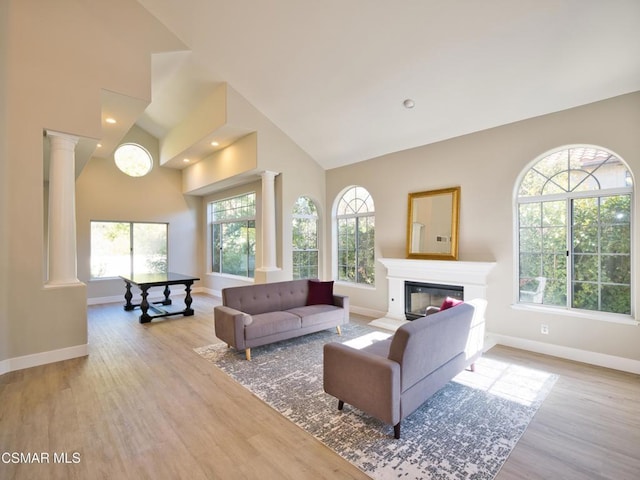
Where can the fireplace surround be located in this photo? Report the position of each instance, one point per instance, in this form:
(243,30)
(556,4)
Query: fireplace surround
(471,276)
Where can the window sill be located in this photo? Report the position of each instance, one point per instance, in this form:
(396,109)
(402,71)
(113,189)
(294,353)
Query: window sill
(601,316)
(233,277)
(354,285)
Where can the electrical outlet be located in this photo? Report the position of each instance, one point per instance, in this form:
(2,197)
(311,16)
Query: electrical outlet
(544,329)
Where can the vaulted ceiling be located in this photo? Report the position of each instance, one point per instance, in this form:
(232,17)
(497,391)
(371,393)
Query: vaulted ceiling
(333,74)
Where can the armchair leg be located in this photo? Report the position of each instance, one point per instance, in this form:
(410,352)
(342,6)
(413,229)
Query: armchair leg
(247,353)
(340,404)
(473,367)
(339,330)
(396,431)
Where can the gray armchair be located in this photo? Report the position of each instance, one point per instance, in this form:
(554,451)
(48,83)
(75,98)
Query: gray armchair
(390,379)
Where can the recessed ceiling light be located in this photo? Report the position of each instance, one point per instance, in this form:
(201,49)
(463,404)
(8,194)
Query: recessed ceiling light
(99,145)
(408,103)
(214,143)
(185,160)
(110,120)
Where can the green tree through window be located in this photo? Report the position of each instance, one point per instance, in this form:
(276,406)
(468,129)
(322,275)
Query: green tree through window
(574,231)
(233,235)
(355,218)
(127,248)
(304,226)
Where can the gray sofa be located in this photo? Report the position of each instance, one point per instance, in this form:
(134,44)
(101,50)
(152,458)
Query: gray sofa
(390,379)
(255,315)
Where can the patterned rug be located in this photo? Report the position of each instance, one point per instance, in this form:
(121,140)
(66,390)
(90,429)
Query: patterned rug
(465,431)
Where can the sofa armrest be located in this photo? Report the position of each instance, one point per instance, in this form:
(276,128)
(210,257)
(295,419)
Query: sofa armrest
(229,325)
(342,301)
(367,381)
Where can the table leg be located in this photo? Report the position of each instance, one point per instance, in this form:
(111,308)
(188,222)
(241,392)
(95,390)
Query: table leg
(144,306)
(187,300)
(127,297)
(167,292)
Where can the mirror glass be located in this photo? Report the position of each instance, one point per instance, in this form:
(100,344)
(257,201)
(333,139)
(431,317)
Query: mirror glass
(432,224)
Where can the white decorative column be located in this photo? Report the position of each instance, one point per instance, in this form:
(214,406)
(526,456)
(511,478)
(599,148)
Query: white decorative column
(268,221)
(62,210)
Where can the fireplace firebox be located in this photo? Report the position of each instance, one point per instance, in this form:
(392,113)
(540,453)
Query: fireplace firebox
(419,296)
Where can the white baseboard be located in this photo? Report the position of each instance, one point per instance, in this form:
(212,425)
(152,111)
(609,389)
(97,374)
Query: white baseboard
(568,353)
(367,312)
(42,358)
(213,293)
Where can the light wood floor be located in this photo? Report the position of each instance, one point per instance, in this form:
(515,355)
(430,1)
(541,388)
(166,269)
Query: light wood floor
(143,405)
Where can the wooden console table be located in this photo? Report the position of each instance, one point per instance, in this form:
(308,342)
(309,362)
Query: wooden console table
(146,281)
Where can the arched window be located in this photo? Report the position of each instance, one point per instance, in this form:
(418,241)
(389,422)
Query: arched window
(355,227)
(304,232)
(574,227)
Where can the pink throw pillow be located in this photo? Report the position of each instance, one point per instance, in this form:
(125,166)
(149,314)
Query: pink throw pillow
(450,302)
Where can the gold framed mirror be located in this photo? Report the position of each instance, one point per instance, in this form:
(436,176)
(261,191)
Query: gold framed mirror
(432,224)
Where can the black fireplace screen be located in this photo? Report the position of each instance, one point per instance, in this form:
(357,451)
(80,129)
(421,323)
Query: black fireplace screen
(419,296)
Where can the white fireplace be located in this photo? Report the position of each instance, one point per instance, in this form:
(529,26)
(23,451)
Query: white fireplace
(472,276)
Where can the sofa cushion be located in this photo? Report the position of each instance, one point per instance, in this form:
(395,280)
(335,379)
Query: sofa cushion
(266,297)
(318,314)
(271,323)
(320,293)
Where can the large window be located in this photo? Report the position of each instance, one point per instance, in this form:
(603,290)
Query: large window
(574,231)
(233,235)
(355,218)
(304,229)
(127,248)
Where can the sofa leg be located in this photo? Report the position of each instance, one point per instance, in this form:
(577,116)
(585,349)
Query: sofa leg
(472,367)
(340,404)
(247,353)
(338,330)
(396,431)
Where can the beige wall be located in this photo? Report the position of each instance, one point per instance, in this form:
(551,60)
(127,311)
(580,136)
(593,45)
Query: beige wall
(298,174)
(486,165)
(52,79)
(4,186)
(105,193)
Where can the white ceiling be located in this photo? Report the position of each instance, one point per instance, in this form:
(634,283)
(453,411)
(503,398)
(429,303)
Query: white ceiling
(333,74)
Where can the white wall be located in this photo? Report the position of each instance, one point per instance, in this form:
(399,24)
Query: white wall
(104,193)
(486,166)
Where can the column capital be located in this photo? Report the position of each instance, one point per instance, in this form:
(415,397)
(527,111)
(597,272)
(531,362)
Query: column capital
(269,174)
(53,134)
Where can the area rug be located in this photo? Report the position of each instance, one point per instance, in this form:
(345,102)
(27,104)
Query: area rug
(465,431)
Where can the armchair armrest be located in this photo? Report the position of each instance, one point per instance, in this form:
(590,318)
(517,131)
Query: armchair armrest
(229,325)
(362,379)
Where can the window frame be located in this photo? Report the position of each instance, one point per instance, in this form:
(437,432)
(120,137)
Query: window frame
(568,198)
(131,246)
(311,218)
(141,155)
(249,220)
(357,216)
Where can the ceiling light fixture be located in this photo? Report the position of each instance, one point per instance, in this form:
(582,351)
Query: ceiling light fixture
(110,120)
(214,143)
(408,103)
(185,160)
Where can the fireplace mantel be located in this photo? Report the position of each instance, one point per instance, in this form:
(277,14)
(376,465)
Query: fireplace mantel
(472,276)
